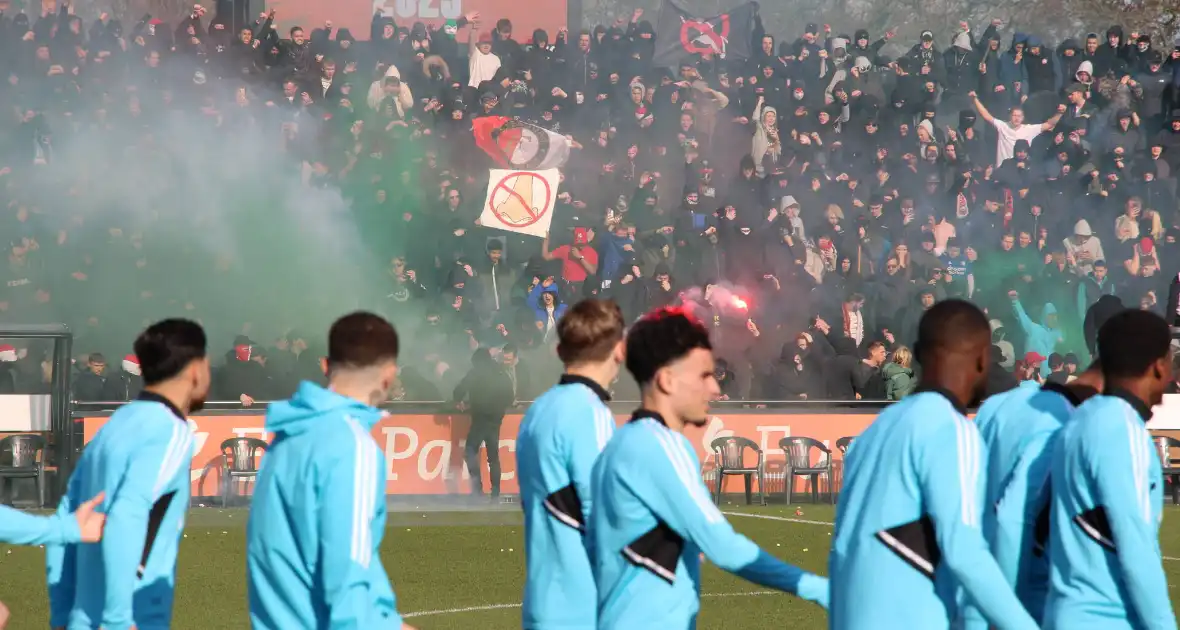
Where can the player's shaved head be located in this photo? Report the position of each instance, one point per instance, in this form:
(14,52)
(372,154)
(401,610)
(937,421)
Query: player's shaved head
(1136,351)
(954,348)
(952,326)
(1131,342)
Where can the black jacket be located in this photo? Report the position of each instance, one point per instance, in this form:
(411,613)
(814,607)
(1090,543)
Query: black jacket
(486,388)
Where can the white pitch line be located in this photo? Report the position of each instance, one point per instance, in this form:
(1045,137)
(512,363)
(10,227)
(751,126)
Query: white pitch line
(455,611)
(830,524)
(780,518)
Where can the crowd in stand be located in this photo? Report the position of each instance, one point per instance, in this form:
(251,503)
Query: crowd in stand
(809,202)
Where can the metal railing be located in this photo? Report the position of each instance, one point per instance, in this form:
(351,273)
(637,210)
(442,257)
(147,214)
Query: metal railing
(84,409)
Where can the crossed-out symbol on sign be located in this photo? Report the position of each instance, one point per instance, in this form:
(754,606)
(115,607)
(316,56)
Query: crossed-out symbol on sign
(514,202)
(701,36)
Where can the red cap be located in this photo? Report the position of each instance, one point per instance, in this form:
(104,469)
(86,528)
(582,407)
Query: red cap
(1032,358)
(484,38)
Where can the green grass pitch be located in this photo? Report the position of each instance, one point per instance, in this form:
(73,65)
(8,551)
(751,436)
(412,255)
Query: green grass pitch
(462,570)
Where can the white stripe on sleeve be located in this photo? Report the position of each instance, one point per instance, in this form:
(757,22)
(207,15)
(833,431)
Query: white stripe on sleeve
(975,441)
(961,453)
(182,456)
(683,467)
(175,444)
(968,445)
(364,495)
(1138,450)
(602,422)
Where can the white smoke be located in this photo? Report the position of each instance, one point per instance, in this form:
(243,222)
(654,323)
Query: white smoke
(266,248)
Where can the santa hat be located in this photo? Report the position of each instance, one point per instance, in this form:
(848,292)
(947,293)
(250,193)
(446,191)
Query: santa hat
(131,364)
(7,354)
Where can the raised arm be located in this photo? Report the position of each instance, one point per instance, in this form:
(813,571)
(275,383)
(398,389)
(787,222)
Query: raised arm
(1054,119)
(983,113)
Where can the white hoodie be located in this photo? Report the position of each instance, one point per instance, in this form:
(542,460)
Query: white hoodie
(1092,247)
(405,99)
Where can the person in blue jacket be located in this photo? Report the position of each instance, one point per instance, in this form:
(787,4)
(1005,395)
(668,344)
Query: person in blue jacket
(1106,569)
(1041,338)
(559,441)
(547,308)
(141,459)
(652,516)
(19,528)
(313,541)
(908,525)
(1019,429)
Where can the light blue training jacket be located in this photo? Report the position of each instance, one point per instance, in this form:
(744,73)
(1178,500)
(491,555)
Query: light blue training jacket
(18,528)
(314,538)
(141,459)
(560,438)
(908,525)
(1019,428)
(1106,568)
(652,519)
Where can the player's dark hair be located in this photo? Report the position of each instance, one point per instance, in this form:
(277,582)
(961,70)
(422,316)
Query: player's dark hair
(167,347)
(663,337)
(361,340)
(950,325)
(589,331)
(1131,341)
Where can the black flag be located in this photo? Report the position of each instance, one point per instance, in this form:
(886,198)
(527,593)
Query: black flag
(680,36)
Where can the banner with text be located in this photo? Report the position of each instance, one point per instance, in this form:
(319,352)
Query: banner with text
(424,452)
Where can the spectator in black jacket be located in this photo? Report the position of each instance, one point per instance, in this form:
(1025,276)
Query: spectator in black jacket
(869,383)
(245,377)
(93,384)
(487,392)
